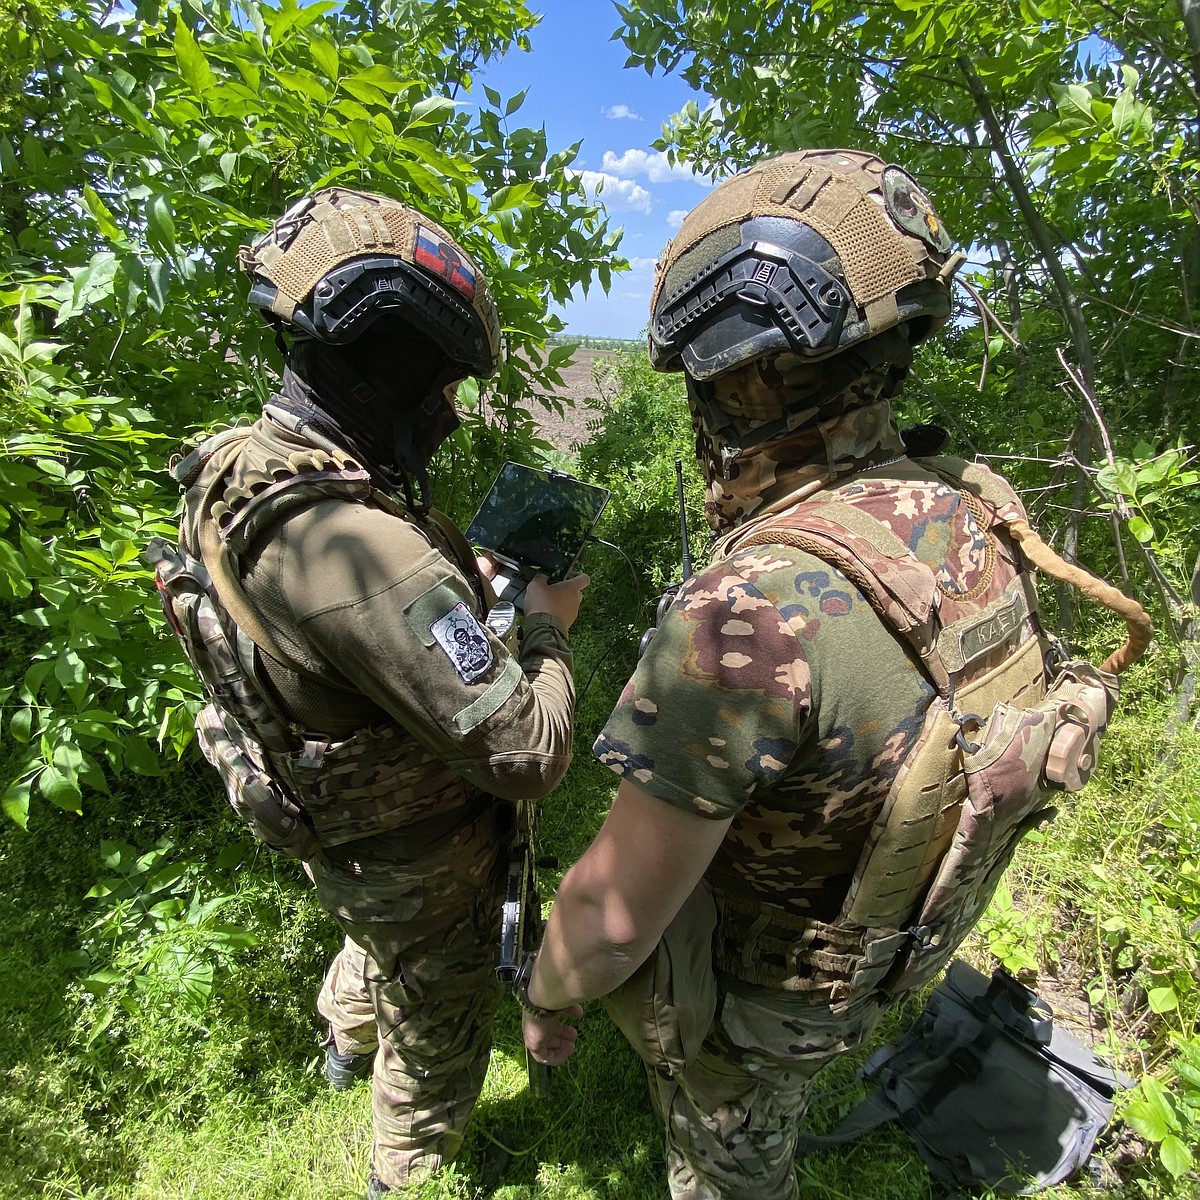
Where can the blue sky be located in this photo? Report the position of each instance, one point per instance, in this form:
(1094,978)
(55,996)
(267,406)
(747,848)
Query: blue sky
(580,90)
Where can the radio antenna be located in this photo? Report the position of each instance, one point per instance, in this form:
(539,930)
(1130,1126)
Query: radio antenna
(683,532)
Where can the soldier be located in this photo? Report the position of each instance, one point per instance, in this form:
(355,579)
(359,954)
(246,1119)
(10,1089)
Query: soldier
(776,708)
(367,612)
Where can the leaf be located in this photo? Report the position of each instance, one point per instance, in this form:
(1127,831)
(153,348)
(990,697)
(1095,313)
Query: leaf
(20,724)
(433,110)
(325,55)
(1149,1113)
(69,669)
(1074,100)
(15,802)
(193,66)
(103,218)
(14,573)
(1176,1157)
(1141,529)
(1162,999)
(60,791)
(303,84)
(160,224)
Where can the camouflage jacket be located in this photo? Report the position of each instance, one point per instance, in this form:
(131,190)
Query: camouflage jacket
(423,711)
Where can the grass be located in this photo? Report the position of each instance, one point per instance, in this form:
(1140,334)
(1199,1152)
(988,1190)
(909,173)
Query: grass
(164,1105)
(131,1086)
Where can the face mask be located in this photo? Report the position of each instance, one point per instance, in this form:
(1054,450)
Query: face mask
(816,443)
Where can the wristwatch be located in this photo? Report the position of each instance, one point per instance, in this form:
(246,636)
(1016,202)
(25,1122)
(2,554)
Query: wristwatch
(521,990)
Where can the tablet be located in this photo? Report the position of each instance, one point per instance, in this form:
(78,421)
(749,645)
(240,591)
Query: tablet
(534,519)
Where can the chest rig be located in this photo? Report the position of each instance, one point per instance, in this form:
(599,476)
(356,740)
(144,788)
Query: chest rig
(1014,723)
(276,773)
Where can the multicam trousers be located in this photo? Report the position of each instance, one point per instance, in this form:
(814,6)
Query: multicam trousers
(415,981)
(732,1117)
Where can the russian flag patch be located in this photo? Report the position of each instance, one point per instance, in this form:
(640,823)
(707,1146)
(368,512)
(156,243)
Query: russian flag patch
(445,260)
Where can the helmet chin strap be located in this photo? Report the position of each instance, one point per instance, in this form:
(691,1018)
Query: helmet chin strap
(840,372)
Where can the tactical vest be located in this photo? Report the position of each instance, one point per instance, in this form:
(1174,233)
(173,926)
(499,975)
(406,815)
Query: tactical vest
(996,746)
(295,788)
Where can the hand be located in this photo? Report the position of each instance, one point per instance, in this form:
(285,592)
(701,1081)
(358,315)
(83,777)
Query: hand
(560,600)
(487,566)
(551,1040)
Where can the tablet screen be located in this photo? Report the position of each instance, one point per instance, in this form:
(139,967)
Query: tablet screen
(537,520)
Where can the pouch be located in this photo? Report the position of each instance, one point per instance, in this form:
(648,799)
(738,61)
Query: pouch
(667,1006)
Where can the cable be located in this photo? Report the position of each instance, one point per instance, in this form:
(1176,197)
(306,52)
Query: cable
(637,587)
(637,590)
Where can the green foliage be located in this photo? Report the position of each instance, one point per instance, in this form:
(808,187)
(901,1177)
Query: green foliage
(1014,937)
(1150,482)
(1106,900)
(77,506)
(158,1035)
(1166,1120)
(158,940)
(635,441)
(1058,142)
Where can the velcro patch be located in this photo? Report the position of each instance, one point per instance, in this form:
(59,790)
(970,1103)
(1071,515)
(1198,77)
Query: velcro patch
(442,258)
(464,642)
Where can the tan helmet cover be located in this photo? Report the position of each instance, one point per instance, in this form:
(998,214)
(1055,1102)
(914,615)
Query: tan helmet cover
(877,219)
(321,232)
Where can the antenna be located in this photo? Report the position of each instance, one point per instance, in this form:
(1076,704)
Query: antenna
(683,532)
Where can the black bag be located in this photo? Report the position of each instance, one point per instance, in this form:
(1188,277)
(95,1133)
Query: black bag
(990,1090)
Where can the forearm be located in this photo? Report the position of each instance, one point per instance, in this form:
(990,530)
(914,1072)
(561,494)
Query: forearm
(611,910)
(582,956)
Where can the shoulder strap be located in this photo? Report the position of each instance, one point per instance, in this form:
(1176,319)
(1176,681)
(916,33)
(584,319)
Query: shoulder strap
(230,520)
(901,589)
(1000,506)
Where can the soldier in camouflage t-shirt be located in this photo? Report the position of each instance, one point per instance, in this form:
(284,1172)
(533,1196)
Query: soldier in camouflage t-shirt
(774,708)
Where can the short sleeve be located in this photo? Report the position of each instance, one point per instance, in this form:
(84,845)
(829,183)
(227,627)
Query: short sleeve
(714,708)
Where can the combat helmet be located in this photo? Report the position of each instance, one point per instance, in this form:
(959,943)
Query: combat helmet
(815,252)
(338,260)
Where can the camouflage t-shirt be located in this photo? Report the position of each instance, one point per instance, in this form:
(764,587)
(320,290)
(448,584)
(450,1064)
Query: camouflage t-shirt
(774,694)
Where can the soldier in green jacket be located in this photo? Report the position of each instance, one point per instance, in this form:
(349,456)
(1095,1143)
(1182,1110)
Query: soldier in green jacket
(413,714)
(774,709)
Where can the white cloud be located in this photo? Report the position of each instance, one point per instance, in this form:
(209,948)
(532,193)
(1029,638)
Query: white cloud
(617,195)
(620,112)
(654,166)
(642,264)
(675,217)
